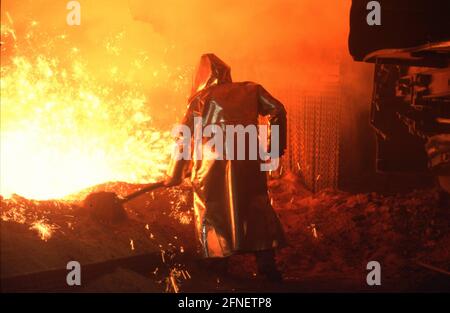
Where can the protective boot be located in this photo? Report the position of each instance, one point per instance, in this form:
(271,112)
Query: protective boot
(265,261)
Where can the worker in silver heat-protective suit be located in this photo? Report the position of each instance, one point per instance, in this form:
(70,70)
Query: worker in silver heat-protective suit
(233,213)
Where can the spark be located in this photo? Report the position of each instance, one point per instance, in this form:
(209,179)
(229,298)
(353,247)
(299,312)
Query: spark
(174,283)
(44,230)
(314,231)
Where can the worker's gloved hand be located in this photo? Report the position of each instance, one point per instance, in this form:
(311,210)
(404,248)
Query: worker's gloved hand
(172,181)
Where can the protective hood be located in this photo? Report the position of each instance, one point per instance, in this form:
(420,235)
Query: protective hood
(210,71)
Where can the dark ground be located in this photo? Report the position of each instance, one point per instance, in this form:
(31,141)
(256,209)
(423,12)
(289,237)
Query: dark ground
(332,236)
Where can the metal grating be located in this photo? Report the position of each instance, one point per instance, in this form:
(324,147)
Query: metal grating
(313,136)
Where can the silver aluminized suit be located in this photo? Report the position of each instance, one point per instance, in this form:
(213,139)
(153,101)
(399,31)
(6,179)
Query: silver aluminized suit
(233,212)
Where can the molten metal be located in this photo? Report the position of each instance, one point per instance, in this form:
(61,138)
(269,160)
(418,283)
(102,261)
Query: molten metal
(63,131)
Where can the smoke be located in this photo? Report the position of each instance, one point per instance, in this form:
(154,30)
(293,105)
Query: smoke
(270,41)
(276,41)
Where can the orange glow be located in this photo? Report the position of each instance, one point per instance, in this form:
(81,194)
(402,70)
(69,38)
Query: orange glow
(63,131)
(89,104)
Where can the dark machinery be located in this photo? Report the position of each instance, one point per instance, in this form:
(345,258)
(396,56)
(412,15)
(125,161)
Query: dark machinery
(411,97)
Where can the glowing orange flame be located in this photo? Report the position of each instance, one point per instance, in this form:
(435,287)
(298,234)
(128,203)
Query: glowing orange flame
(44,230)
(62,131)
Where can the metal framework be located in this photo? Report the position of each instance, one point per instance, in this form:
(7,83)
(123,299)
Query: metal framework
(313,135)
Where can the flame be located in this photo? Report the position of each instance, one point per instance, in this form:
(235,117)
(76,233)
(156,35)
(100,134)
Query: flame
(63,131)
